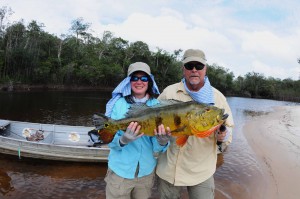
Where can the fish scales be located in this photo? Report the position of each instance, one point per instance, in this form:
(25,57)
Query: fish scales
(183,118)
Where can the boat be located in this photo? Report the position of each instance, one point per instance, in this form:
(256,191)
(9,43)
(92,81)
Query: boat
(50,141)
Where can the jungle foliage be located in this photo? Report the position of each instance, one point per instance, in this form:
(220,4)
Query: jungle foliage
(29,55)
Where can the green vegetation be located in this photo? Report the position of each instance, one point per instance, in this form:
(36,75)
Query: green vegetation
(29,55)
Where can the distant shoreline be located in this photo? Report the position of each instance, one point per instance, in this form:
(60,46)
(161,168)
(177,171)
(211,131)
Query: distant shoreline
(18,87)
(28,87)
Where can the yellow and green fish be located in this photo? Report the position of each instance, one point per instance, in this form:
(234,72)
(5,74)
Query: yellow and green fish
(184,119)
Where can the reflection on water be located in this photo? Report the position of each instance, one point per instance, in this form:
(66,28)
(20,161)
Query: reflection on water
(59,107)
(51,179)
(254,113)
(237,169)
(5,183)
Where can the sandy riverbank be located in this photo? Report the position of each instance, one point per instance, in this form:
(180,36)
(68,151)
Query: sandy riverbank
(275,138)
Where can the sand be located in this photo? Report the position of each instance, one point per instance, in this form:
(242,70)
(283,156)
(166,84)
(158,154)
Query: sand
(275,139)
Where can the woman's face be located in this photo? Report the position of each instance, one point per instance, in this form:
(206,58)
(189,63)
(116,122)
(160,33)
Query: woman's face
(139,84)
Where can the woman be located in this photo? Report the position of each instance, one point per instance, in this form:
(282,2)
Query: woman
(131,161)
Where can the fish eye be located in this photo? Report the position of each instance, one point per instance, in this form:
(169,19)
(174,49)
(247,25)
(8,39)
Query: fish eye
(106,125)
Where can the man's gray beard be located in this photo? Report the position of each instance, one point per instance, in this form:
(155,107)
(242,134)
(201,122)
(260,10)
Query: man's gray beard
(195,83)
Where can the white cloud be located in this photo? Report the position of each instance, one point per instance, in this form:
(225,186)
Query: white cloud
(266,44)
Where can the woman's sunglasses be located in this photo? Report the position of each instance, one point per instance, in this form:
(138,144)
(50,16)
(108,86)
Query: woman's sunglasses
(191,66)
(136,78)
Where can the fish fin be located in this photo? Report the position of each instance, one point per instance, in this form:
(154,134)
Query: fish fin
(165,102)
(181,140)
(100,115)
(207,133)
(179,129)
(136,109)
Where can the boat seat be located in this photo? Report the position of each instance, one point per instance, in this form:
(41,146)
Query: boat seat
(3,125)
(66,139)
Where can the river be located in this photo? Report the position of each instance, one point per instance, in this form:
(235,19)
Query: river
(236,177)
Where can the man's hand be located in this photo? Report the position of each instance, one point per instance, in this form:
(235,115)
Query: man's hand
(131,134)
(221,133)
(162,135)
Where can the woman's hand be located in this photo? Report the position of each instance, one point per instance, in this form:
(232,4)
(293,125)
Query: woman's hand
(162,135)
(131,133)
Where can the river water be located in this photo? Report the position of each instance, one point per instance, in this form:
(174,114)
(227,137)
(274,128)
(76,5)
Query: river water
(238,174)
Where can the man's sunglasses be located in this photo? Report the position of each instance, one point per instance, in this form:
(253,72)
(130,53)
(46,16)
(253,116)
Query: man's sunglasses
(191,66)
(136,78)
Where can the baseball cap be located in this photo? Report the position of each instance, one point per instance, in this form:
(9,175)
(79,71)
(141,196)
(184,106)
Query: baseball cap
(194,55)
(138,66)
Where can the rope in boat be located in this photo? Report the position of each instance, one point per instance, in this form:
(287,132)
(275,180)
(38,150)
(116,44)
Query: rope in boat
(19,147)
(19,151)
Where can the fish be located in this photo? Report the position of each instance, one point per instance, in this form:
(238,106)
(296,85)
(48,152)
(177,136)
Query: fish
(183,118)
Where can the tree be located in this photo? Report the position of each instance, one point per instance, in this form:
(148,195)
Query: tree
(220,78)
(14,52)
(165,67)
(102,45)
(5,13)
(79,27)
(253,83)
(238,87)
(136,51)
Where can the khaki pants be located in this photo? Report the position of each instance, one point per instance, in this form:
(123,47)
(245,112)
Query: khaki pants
(204,190)
(122,188)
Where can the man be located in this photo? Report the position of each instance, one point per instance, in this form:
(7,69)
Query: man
(194,164)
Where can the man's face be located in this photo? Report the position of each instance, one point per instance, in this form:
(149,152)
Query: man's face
(194,77)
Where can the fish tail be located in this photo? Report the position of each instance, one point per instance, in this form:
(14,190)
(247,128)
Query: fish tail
(101,134)
(99,120)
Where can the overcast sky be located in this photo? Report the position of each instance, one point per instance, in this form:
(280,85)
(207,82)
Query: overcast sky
(243,36)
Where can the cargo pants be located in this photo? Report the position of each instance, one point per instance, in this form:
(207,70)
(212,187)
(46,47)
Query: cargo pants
(122,188)
(204,190)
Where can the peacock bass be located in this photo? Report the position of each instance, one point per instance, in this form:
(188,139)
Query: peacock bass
(184,119)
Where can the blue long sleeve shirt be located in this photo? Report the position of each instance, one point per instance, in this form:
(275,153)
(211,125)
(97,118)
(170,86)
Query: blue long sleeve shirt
(124,160)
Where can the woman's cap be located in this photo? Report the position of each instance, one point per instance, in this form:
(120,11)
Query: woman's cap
(194,55)
(138,66)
